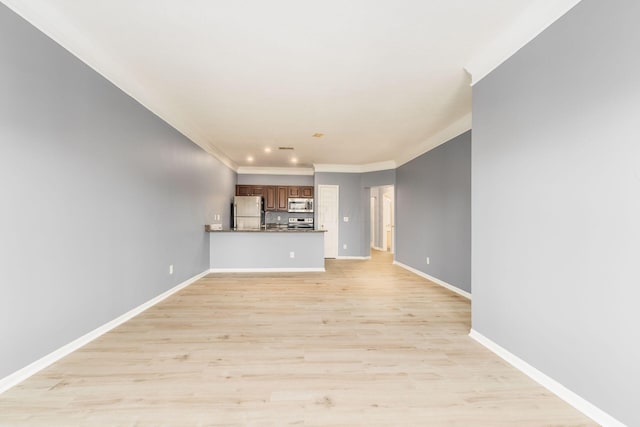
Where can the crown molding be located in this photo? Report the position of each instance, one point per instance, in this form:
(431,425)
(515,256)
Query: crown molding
(369,167)
(533,21)
(256,170)
(50,22)
(455,129)
(379,166)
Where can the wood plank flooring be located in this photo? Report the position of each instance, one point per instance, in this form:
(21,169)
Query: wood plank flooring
(364,344)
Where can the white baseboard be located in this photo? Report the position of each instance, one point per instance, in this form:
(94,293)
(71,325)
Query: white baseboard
(378,249)
(434,280)
(353,257)
(267,270)
(582,405)
(17,377)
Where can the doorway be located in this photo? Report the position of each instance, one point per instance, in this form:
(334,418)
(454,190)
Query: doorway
(387,221)
(372,230)
(328,200)
(382,202)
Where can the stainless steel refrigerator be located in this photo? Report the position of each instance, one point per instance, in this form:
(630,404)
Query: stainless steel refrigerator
(247,212)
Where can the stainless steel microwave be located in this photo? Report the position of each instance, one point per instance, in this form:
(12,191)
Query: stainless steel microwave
(300,205)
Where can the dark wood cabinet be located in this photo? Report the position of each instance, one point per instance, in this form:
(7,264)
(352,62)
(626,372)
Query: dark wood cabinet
(276,198)
(244,190)
(294,191)
(270,198)
(250,190)
(283,199)
(306,192)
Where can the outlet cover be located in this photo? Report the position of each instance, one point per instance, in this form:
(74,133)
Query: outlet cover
(344,246)
(345,219)
(171,269)
(292,254)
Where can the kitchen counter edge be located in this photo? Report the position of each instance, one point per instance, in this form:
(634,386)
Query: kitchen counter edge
(268,230)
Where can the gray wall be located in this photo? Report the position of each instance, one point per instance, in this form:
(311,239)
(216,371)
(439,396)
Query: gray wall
(433,212)
(354,203)
(350,205)
(260,179)
(378,178)
(98,196)
(369,180)
(239,250)
(556,205)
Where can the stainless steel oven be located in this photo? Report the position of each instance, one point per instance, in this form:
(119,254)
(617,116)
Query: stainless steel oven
(300,205)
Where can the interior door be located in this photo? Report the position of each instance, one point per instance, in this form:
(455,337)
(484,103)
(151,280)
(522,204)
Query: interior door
(388,220)
(327,207)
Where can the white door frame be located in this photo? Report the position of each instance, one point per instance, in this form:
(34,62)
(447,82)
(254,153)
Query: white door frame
(373,205)
(386,220)
(391,220)
(318,205)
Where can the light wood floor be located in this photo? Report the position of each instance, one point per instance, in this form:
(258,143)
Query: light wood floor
(364,344)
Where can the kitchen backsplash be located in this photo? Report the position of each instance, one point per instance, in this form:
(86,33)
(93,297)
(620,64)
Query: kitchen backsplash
(272,217)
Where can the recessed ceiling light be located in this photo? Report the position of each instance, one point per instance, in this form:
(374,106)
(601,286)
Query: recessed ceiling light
(318,135)
(249,158)
(267,149)
(294,160)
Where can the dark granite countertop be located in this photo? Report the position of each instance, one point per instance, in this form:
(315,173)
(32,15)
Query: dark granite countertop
(267,230)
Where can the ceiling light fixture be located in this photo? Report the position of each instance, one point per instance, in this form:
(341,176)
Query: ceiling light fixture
(249,158)
(267,149)
(294,160)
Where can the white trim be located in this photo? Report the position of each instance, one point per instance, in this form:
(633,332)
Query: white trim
(266,270)
(582,405)
(385,243)
(17,377)
(531,22)
(455,129)
(434,280)
(535,19)
(378,249)
(369,167)
(255,170)
(352,257)
(378,166)
(57,27)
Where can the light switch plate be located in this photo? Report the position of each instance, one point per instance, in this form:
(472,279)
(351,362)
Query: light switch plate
(345,219)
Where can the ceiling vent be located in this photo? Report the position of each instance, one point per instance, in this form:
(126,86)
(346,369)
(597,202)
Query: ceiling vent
(285,148)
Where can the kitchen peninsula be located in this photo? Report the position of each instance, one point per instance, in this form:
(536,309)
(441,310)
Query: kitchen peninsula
(266,250)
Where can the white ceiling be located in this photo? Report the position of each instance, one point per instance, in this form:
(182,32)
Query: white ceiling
(383,80)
